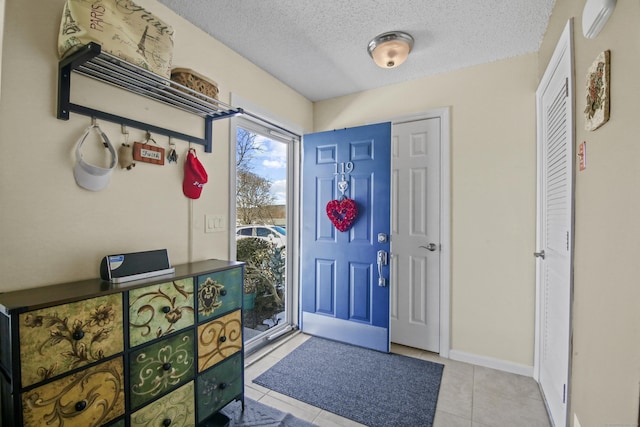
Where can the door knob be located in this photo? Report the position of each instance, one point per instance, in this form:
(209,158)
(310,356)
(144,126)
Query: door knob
(539,254)
(430,247)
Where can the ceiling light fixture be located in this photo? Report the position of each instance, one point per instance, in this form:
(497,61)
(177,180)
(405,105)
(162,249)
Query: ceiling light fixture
(391,49)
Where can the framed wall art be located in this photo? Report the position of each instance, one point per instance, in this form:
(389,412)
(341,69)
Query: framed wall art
(597,92)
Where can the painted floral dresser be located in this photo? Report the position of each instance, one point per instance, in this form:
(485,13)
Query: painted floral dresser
(157,352)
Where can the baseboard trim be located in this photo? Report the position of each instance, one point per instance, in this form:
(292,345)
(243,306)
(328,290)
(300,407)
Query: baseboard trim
(489,362)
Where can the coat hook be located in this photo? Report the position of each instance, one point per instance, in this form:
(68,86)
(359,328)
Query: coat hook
(173,155)
(125,132)
(93,121)
(149,138)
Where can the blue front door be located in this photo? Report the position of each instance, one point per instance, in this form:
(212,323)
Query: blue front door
(344,275)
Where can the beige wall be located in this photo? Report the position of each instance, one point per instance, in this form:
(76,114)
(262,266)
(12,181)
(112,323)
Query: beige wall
(52,230)
(606,310)
(493,194)
(1,33)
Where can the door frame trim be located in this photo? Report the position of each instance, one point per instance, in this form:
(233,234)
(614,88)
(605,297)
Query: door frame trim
(444,114)
(263,118)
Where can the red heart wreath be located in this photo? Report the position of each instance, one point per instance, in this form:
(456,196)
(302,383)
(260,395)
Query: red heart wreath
(342,213)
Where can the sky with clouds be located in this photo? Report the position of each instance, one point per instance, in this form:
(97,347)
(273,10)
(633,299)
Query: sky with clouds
(271,163)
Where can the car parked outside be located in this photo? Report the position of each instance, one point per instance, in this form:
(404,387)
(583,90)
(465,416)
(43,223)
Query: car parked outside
(271,233)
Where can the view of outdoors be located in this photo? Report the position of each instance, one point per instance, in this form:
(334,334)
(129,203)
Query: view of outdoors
(261,218)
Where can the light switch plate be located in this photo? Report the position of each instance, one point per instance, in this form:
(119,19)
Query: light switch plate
(213,223)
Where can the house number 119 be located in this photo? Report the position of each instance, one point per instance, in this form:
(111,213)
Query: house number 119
(344,168)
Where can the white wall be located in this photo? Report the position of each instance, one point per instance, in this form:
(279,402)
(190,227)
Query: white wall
(54,231)
(493,195)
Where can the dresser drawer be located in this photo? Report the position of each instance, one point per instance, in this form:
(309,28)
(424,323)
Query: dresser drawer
(174,409)
(89,353)
(57,339)
(161,366)
(158,310)
(218,339)
(218,386)
(219,293)
(91,397)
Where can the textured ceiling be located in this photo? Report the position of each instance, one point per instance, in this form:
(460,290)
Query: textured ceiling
(319,47)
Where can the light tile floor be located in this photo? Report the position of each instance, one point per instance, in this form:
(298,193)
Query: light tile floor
(470,396)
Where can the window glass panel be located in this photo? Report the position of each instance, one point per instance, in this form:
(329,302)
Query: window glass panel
(261,205)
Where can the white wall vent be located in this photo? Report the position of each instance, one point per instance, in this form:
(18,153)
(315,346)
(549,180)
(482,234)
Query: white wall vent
(595,15)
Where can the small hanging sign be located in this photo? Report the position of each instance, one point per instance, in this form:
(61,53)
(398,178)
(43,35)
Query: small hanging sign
(597,90)
(582,155)
(145,152)
(148,153)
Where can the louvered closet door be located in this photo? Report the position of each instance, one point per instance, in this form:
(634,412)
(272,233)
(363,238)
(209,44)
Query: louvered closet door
(555,224)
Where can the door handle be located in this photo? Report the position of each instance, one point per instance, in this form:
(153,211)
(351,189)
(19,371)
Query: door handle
(382,259)
(430,247)
(539,254)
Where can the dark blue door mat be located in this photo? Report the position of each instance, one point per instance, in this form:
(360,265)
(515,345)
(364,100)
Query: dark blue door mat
(367,386)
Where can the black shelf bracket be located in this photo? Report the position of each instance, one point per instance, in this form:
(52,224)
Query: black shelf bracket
(90,61)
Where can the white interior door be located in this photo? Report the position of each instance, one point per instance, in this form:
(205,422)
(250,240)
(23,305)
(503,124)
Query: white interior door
(415,234)
(555,228)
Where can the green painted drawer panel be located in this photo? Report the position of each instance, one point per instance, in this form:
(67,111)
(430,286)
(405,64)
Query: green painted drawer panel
(219,293)
(161,366)
(57,339)
(175,409)
(158,310)
(91,397)
(218,386)
(119,423)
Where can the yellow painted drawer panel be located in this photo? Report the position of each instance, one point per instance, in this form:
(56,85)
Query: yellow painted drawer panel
(175,409)
(158,310)
(218,339)
(88,398)
(57,339)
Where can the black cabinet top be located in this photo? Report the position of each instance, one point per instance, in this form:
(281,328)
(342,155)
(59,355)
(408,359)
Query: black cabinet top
(33,298)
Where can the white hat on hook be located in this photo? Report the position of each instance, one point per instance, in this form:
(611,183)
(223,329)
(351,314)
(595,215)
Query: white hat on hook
(88,176)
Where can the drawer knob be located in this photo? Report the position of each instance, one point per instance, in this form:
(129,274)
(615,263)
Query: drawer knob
(166,309)
(77,335)
(222,386)
(166,366)
(166,422)
(223,292)
(223,338)
(80,406)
